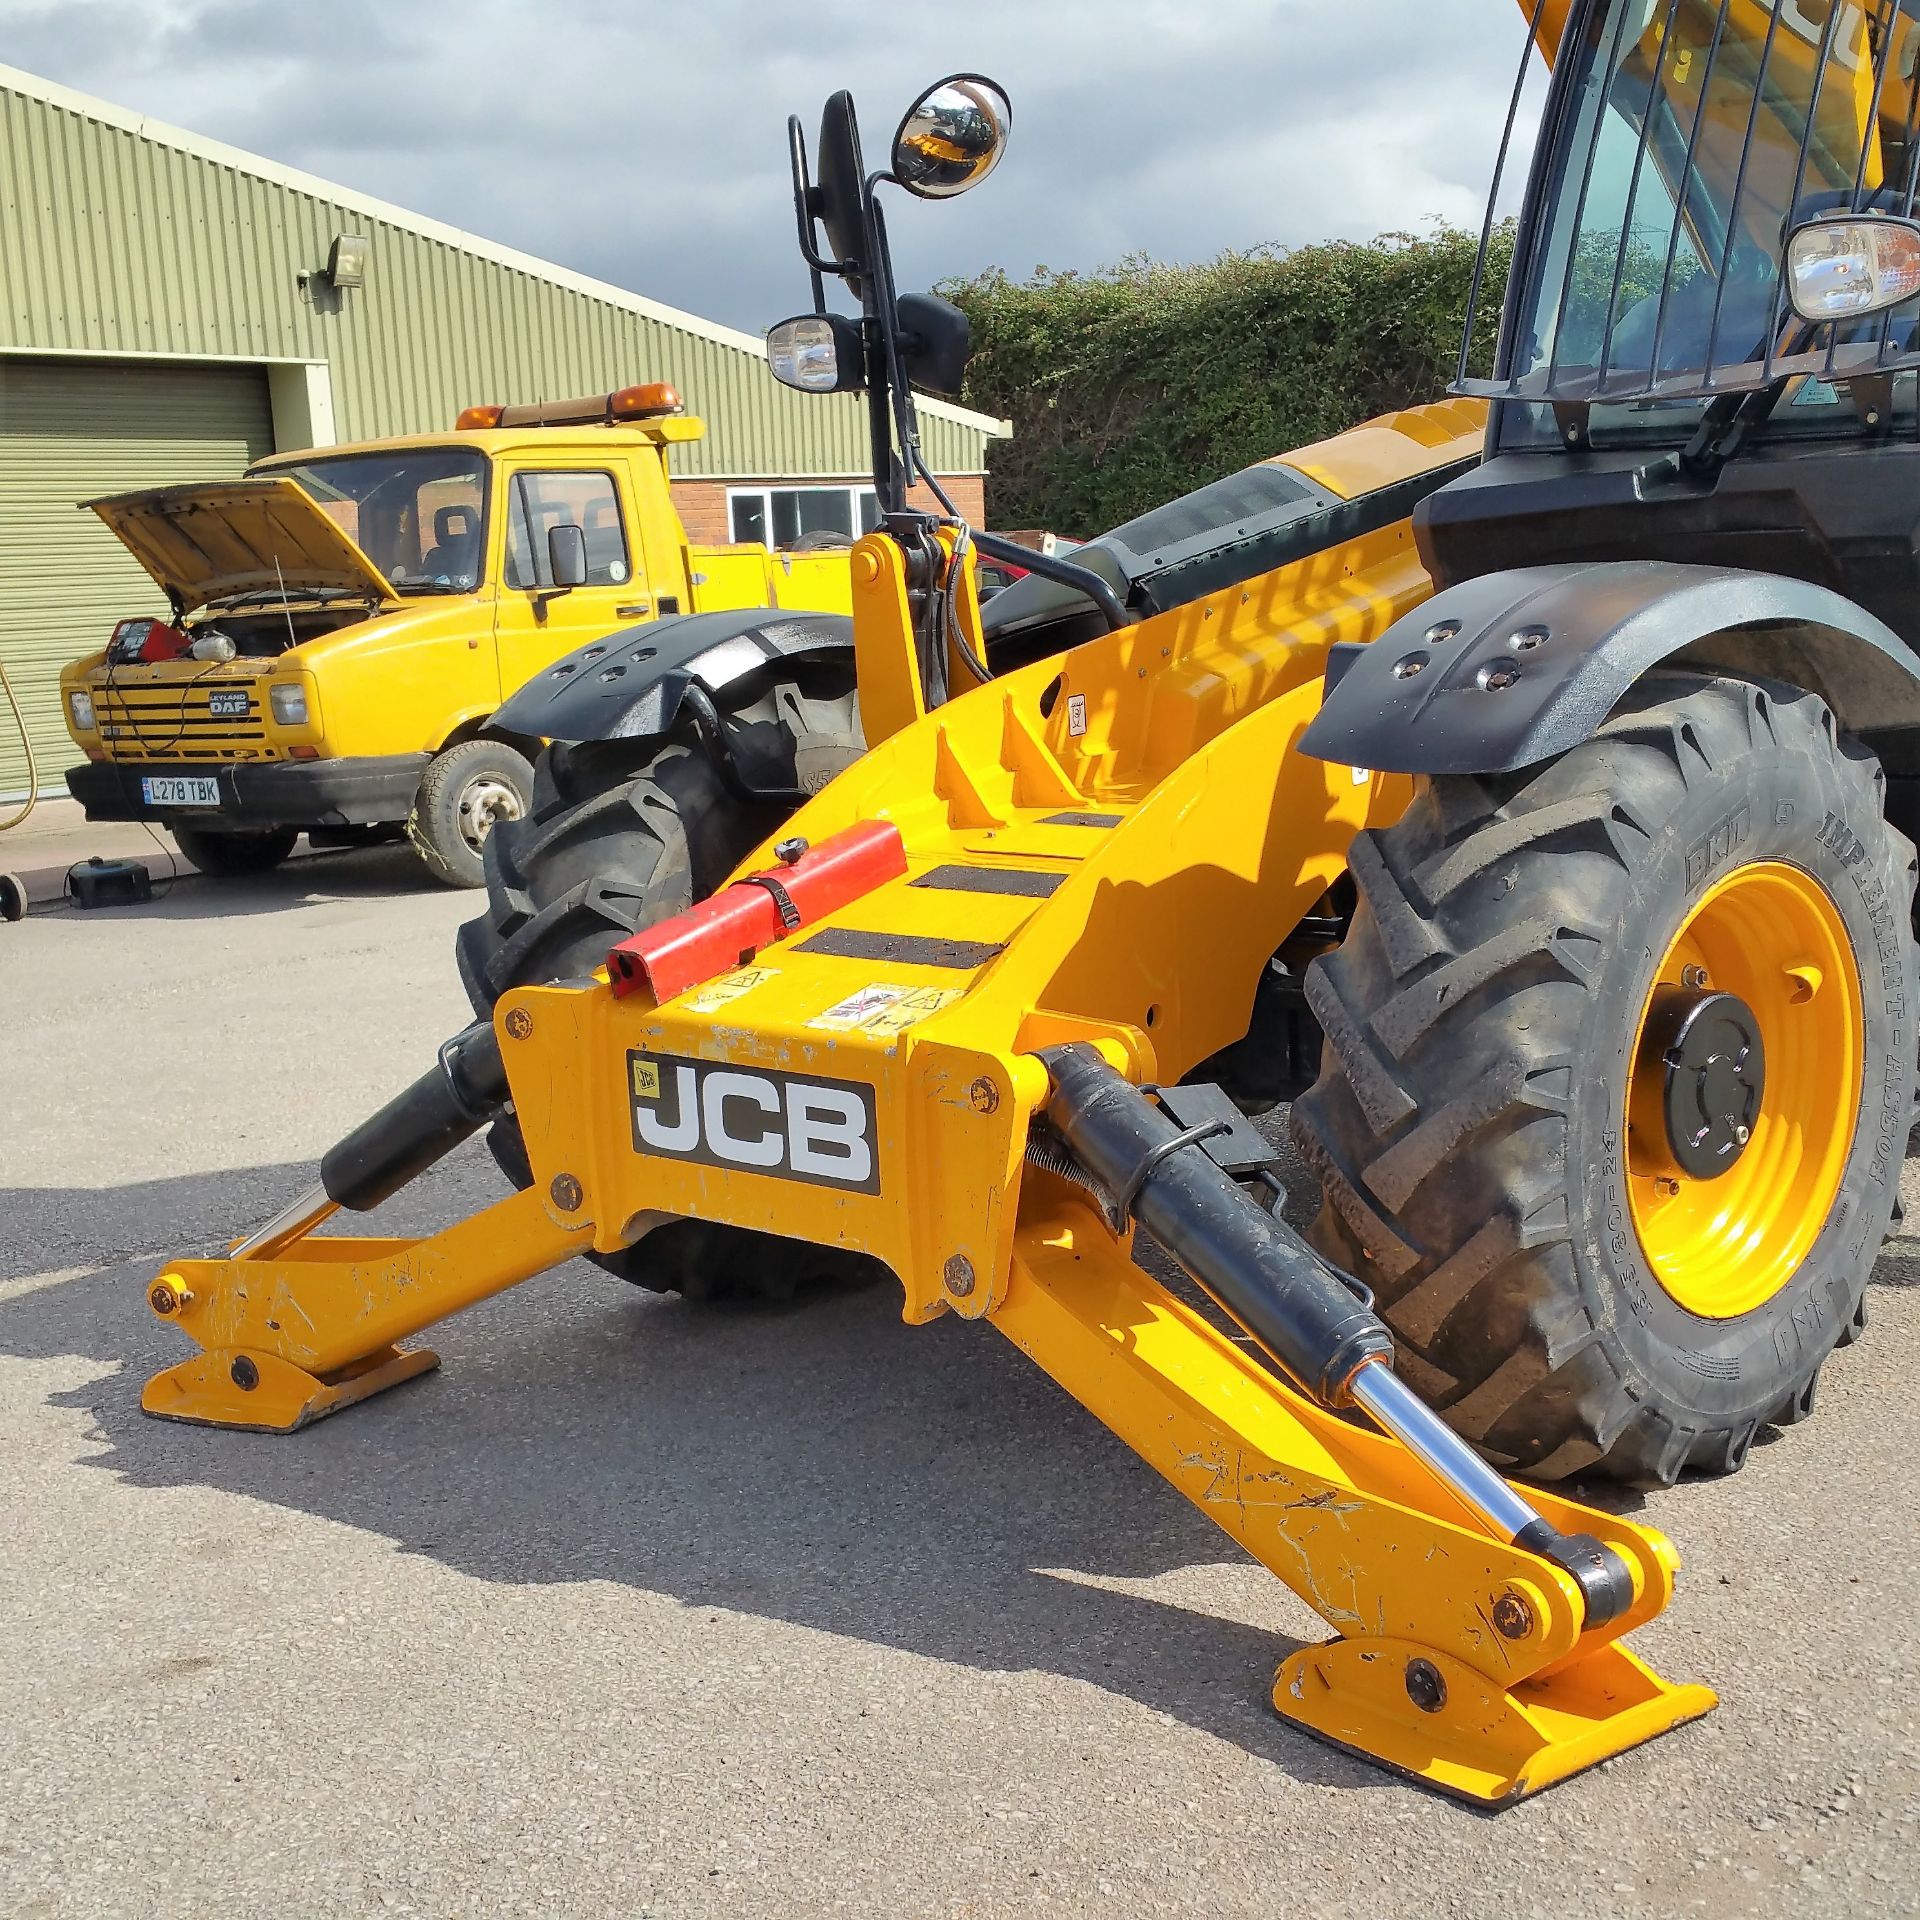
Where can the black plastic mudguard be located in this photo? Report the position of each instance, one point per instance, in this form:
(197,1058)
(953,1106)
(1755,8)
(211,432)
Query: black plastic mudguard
(1512,668)
(629,685)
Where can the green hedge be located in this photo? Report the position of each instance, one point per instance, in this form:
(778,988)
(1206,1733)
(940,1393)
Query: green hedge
(1134,384)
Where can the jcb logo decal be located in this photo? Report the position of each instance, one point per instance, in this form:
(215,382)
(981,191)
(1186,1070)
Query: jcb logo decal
(754,1120)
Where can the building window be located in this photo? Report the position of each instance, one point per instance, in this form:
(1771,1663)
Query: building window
(542,501)
(798,516)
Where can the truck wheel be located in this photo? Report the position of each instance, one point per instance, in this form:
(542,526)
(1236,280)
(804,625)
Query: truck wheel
(1615,1089)
(464,794)
(230,855)
(621,834)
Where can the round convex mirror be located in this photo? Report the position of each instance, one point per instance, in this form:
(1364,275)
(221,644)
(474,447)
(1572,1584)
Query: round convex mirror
(952,138)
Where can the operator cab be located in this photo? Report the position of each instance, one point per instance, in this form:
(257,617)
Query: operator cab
(1654,343)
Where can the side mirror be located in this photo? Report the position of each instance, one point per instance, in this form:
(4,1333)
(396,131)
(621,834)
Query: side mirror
(952,137)
(934,337)
(839,196)
(566,556)
(1852,265)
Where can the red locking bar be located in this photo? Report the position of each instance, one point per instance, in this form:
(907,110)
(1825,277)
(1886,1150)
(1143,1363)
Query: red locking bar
(728,930)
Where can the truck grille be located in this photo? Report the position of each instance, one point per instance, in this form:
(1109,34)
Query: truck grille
(175,720)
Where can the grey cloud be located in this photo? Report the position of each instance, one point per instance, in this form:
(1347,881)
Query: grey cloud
(644,143)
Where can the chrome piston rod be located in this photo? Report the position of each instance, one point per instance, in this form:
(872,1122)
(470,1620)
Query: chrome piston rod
(1398,1410)
(296,1218)
(1312,1320)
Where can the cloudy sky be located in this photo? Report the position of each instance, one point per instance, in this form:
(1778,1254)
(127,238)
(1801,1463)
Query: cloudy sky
(644,142)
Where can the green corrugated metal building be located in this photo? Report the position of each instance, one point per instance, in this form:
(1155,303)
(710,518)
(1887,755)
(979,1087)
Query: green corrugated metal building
(166,314)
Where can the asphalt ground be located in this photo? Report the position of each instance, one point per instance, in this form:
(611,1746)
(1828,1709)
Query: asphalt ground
(641,1608)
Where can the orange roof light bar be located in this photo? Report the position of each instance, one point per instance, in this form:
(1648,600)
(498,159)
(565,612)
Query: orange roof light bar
(652,400)
(647,402)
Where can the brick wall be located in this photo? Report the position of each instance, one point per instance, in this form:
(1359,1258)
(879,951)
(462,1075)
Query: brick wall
(703,503)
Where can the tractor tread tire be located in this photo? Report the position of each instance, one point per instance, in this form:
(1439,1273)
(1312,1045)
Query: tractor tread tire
(620,835)
(1493,920)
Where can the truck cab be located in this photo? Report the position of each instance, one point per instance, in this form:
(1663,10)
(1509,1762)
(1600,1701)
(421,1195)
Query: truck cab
(344,623)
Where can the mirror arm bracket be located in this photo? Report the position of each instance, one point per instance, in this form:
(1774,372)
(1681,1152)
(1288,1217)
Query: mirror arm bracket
(1872,398)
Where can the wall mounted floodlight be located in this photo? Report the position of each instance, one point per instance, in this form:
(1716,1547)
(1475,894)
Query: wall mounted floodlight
(347,260)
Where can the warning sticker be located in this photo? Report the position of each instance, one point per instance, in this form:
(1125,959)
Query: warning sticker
(881,1009)
(729,986)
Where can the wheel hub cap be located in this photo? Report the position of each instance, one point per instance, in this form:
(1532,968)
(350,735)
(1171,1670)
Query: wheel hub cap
(485,803)
(1744,1086)
(1714,1067)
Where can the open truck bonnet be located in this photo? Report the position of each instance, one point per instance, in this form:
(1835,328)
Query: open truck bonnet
(211,540)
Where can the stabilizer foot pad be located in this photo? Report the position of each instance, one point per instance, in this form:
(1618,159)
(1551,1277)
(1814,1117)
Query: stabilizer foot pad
(1472,1739)
(262,1393)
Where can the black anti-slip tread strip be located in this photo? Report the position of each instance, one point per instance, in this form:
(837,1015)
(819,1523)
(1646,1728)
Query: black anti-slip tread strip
(1082,820)
(1025,881)
(904,949)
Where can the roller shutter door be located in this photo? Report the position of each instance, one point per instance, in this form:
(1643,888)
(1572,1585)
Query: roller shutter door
(73,430)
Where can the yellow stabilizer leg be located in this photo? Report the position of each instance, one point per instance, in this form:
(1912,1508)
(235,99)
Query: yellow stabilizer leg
(289,1339)
(1464,1661)
(230,1387)
(1469,1737)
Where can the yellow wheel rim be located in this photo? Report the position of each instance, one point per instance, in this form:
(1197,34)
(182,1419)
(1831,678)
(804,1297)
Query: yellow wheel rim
(1771,935)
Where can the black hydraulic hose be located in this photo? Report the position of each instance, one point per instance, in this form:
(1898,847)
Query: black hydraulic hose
(462,1093)
(1299,1308)
(712,729)
(1066,573)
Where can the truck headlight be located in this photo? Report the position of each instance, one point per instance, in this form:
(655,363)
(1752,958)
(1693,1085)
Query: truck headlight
(289,704)
(80,705)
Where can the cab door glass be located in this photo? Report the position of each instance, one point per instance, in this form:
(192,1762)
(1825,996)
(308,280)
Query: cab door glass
(539,502)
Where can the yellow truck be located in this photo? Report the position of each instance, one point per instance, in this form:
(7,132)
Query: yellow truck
(345,623)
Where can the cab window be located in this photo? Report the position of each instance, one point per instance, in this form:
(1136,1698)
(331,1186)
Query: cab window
(539,502)
(416,515)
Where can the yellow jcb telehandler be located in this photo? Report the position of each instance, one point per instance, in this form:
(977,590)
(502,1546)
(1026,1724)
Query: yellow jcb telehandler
(1517,790)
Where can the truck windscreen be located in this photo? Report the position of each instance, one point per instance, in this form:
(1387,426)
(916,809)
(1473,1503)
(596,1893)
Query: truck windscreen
(418,515)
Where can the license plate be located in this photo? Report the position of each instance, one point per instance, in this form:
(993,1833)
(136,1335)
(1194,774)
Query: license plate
(229,703)
(172,790)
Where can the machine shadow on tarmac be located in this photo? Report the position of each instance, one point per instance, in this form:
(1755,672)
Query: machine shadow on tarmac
(721,1455)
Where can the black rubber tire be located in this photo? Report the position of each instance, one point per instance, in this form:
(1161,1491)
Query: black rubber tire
(622,834)
(232,855)
(446,825)
(1479,1018)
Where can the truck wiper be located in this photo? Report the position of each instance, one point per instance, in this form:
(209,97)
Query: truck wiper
(287,595)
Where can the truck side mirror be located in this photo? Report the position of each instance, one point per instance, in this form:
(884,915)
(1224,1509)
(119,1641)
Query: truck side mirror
(566,556)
